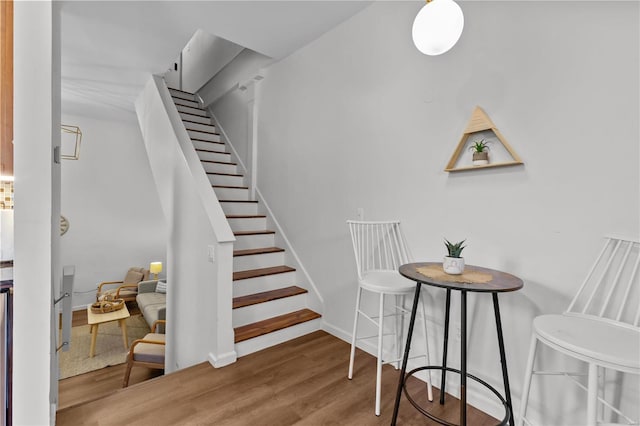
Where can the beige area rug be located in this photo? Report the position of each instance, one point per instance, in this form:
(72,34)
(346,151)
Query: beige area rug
(109,347)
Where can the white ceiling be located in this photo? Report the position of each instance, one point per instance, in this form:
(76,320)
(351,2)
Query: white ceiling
(109,48)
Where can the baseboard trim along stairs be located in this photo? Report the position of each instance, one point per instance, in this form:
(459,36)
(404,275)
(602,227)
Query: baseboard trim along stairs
(269,307)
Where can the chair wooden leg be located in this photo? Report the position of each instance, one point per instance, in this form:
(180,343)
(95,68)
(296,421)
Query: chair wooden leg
(592,398)
(127,373)
(353,336)
(527,380)
(379,355)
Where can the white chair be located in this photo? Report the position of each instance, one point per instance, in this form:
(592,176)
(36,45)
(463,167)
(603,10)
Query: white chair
(600,327)
(380,249)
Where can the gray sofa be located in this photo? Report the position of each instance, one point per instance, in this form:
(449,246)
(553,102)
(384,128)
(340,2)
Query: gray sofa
(153,305)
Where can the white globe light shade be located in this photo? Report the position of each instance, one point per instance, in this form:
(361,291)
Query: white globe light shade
(437,27)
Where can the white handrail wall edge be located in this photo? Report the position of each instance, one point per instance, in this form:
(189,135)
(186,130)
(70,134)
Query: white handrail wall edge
(200,245)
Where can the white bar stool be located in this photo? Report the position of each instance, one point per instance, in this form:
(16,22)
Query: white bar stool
(600,327)
(380,249)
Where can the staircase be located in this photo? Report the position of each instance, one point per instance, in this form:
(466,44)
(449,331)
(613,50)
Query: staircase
(268,307)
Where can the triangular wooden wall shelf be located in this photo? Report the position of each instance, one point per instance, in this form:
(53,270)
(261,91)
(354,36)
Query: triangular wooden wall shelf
(480,122)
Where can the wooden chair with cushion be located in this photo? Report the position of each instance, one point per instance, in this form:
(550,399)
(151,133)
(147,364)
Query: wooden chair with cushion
(146,352)
(126,289)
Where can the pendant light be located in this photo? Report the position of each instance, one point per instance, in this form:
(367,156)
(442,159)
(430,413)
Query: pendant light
(437,26)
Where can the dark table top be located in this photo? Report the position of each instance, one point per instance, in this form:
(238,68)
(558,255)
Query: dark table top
(475,278)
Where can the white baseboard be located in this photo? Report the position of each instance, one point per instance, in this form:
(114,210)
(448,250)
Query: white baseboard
(223,359)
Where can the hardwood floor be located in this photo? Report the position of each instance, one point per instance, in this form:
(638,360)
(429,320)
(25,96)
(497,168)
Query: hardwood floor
(300,382)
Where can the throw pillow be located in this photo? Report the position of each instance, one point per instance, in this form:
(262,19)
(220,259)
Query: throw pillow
(161,287)
(133,277)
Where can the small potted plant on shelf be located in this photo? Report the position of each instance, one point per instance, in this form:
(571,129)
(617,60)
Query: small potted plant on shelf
(480,151)
(453,263)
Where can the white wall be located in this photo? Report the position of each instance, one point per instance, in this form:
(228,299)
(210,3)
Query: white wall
(111,202)
(37,183)
(244,67)
(359,118)
(203,57)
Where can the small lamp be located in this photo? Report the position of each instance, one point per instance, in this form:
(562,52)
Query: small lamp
(437,26)
(155,268)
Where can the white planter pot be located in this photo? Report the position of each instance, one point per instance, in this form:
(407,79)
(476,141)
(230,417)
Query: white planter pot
(480,162)
(453,265)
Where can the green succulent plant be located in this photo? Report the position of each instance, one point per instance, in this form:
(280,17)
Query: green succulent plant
(454,249)
(480,146)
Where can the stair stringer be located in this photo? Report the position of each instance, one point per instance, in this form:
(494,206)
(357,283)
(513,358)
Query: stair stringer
(315,299)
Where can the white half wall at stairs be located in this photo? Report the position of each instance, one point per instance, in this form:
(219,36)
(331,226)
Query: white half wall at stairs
(199,290)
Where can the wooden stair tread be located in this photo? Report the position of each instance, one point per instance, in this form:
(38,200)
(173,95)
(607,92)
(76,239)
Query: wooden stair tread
(202,131)
(260,328)
(210,151)
(260,232)
(184,120)
(188,106)
(267,296)
(262,250)
(203,114)
(238,201)
(246,216)
(204,140)
(219,162)
(178,90)
(230,187)
(224,174)
(194,115)
(261,272)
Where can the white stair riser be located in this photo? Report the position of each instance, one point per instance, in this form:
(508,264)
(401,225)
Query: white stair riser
(244,242)
(256,261)
(248,224)
(240,208)
(195,111)
(214,156)
(199,126)
(226,180)
(186,102)
(267,340)
(203,136)
(232,193)
(196,118)
(181,95)
(219,168)
(209,146)
(260,284)
(266,310)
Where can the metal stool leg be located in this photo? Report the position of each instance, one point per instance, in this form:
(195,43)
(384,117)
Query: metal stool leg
(592,395)
(399,328)
(463,359)
(503,358)
(355,331)
(443,380)
(405,358)
(379,354)
(526,388)
(426,350)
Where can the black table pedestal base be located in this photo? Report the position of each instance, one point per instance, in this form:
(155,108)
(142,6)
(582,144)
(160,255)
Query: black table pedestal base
(508,419)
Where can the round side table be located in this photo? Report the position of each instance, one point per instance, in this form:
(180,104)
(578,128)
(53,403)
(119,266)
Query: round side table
(474,279)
